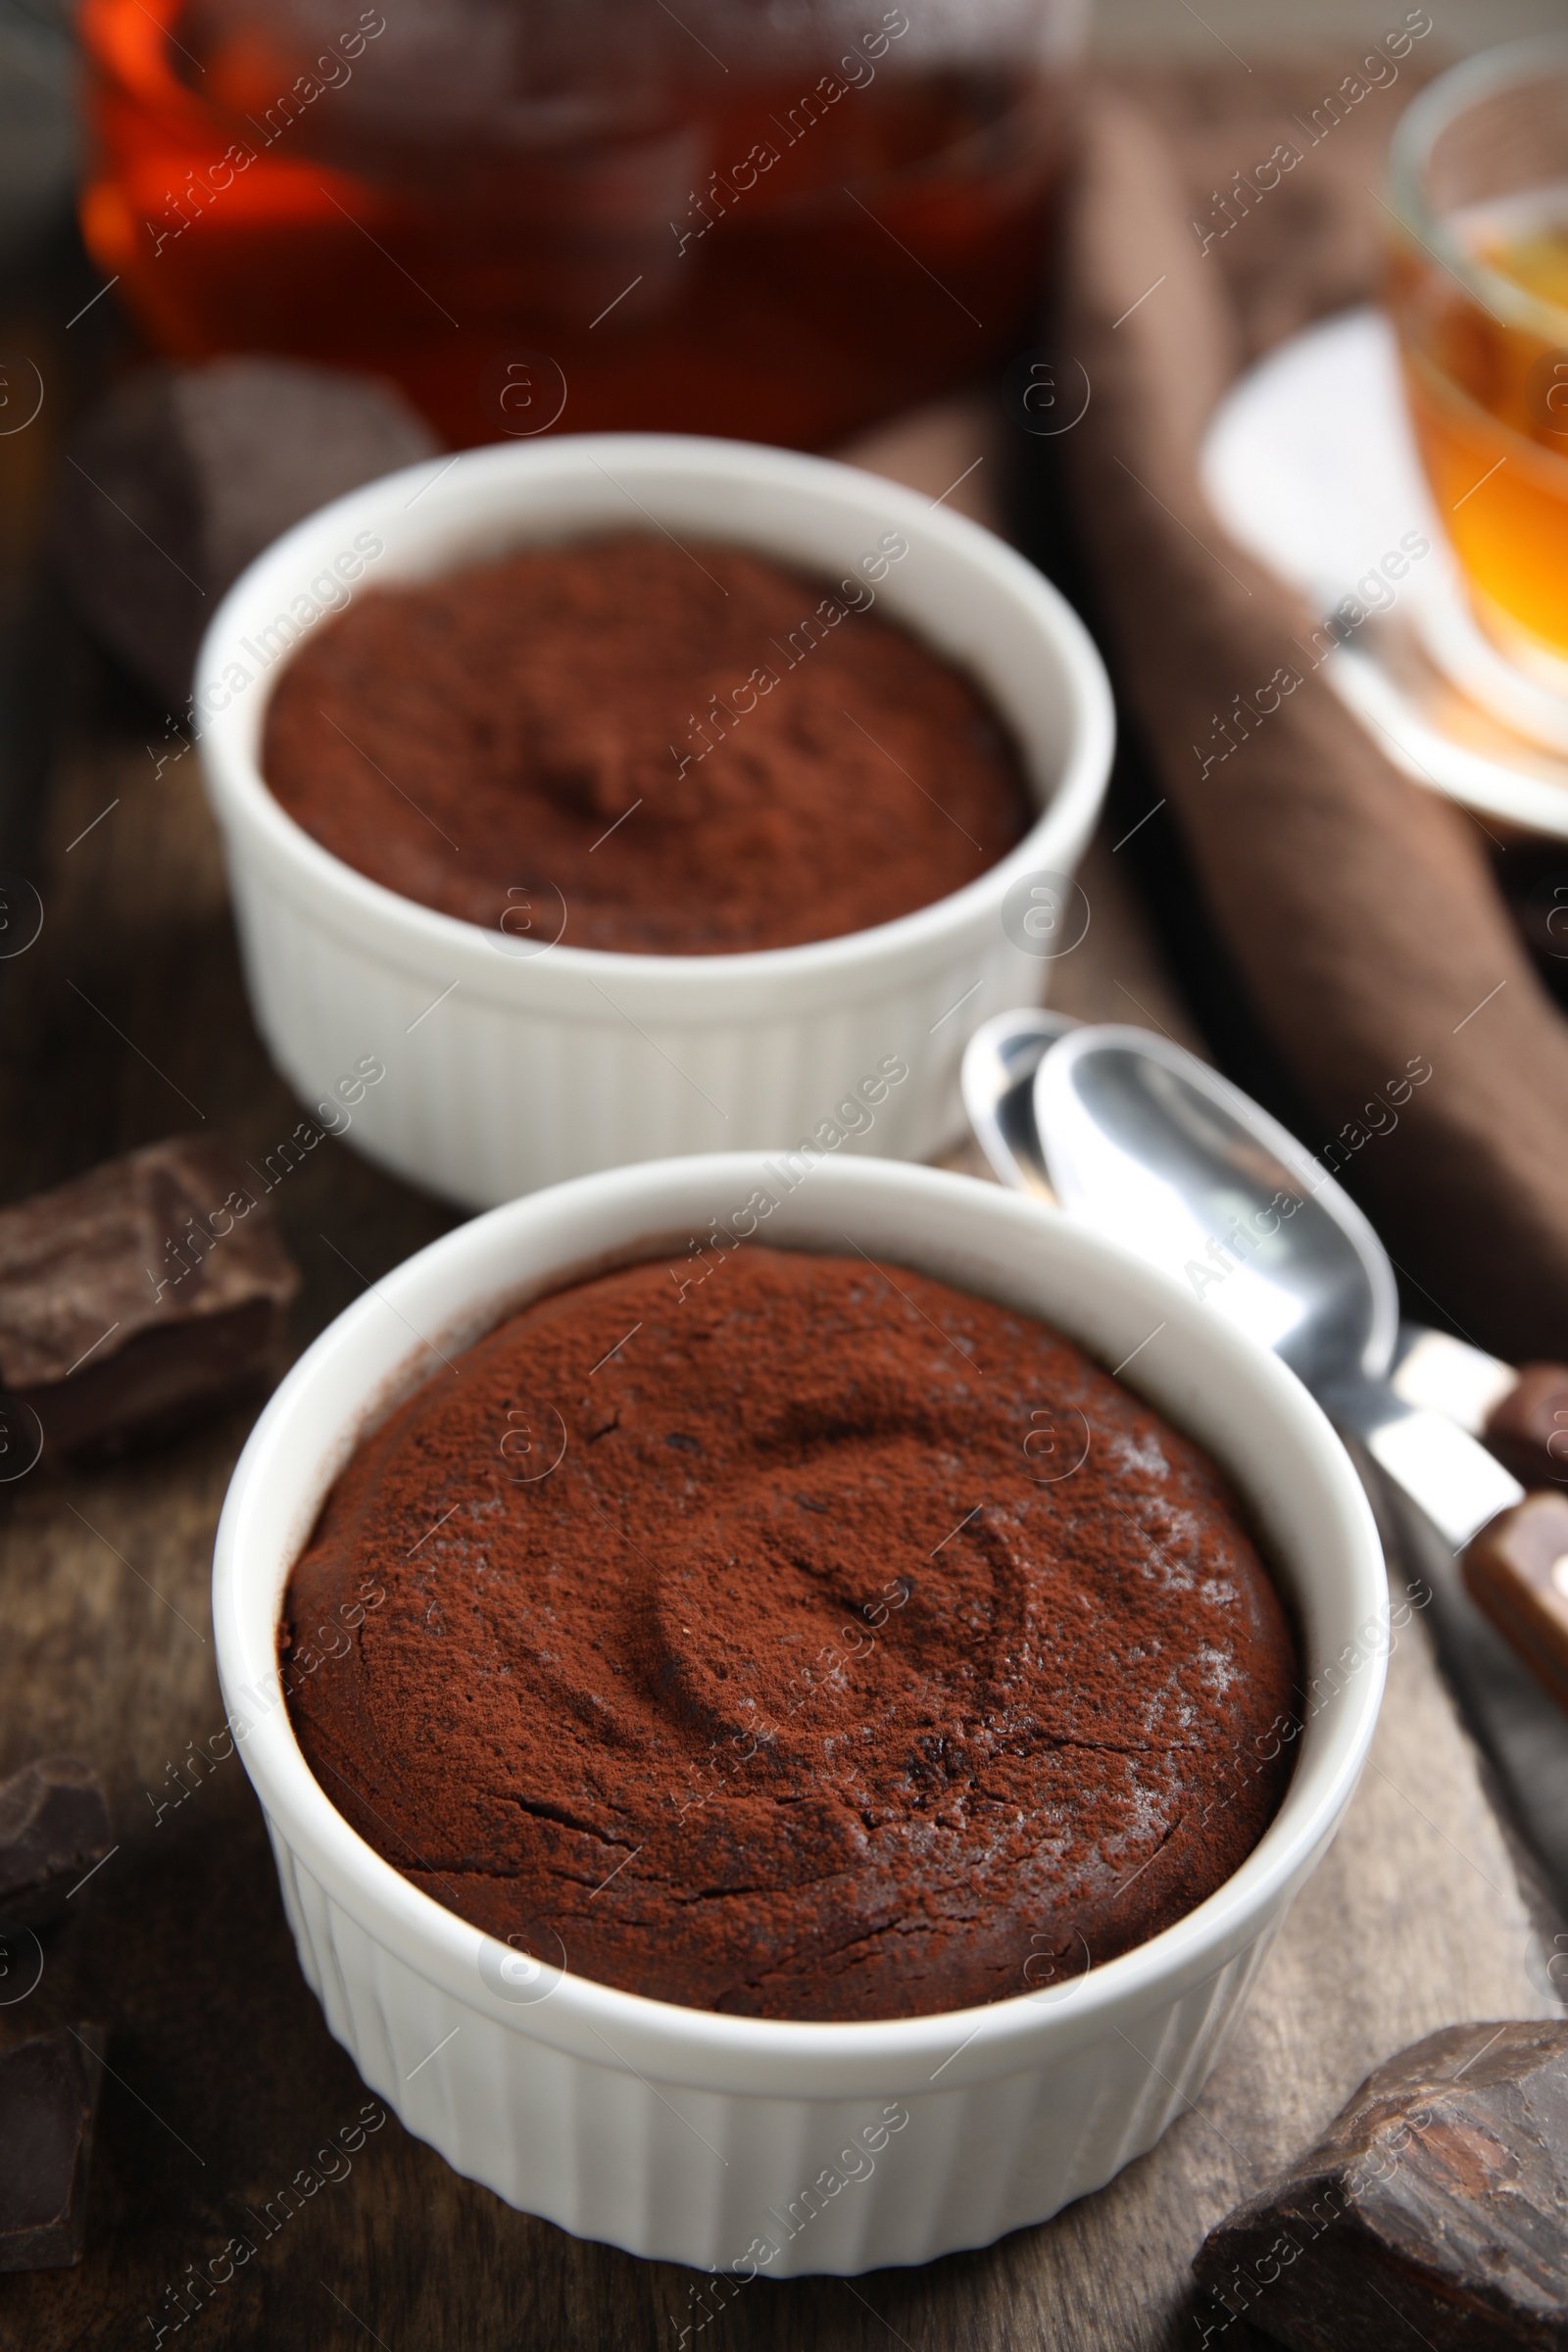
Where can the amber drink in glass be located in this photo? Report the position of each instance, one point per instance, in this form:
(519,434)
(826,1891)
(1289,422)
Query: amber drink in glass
(1478,292)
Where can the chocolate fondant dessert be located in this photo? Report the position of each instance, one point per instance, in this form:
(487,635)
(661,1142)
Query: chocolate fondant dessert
(820,1642)
(633,745)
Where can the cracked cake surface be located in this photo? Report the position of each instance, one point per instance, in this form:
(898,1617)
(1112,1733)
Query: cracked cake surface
(807,1640)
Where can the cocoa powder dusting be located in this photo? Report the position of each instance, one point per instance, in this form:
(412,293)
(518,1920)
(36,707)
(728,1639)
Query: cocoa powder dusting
(676,750)
(812,1679)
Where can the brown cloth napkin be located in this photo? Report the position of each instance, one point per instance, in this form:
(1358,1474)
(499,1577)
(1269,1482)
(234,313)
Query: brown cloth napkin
(1359,908)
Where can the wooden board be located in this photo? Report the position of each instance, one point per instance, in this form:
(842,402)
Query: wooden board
(125,1021)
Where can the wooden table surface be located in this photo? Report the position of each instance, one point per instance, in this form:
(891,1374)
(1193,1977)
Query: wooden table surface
(127,1021)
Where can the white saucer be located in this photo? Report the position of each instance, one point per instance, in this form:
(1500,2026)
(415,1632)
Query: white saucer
(1309,465)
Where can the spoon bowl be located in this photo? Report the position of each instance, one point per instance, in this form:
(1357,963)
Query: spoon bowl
(1000,1062)
(1145,1142)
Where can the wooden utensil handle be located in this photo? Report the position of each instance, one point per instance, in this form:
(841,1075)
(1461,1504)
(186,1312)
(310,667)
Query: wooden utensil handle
(1528,1431)
(1516,1570)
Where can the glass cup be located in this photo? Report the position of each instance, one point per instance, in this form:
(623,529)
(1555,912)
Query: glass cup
(778,221)
(1478,287)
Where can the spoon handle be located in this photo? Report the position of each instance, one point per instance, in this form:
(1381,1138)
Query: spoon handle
(1516,1570)
(1512,1548)
(1521,1416)
(1449,1476)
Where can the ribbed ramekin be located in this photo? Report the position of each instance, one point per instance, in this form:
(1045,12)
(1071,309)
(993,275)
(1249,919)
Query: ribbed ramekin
(739,2143)
(508,1068)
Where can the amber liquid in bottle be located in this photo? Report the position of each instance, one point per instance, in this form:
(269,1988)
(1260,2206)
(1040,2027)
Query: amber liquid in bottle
(782,255)
(1489,399)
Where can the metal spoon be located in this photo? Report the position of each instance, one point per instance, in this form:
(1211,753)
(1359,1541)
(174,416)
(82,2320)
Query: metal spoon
(1140,1138)
(1146,1141)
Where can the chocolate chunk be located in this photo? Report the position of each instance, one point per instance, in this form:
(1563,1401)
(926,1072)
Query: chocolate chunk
(54,1827)
(139,1296)
(1529,1430)
(48,2098)
(186,473)
(1433,2210)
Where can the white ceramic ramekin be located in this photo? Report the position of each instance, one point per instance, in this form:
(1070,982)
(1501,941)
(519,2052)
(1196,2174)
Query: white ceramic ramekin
(732,2143)
(508,1067)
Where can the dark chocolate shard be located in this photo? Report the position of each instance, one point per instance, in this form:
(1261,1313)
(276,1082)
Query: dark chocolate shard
(54,1829)
(183,474)
(48,2099)
(133,1297)
(1433,2210)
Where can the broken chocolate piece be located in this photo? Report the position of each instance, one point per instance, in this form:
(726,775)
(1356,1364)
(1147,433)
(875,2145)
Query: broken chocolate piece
(1528,1432)
(1434,2210)
(48,2098)
(184,474)
(133,1297)
(54,1827)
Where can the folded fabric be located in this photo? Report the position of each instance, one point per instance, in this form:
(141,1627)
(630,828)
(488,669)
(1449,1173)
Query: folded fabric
(1359,909)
